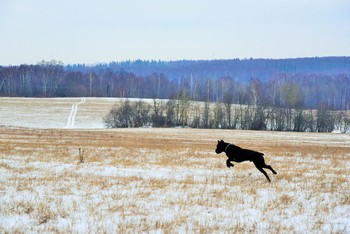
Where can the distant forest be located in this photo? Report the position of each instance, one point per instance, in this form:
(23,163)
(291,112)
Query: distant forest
(302,83)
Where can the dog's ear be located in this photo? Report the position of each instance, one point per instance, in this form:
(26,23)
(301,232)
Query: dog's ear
(222,141)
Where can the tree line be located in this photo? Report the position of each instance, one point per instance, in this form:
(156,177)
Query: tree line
(240,69)
(182,112)
(280,90)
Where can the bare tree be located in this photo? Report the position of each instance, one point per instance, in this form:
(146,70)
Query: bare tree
(273,92)
(228,99)
(170,113)
(325,120)
(206,115)
(258,118)
(292,98)
(255,87)
(92,77)
(120,116)
(158,118)
(218,116)
(51,76)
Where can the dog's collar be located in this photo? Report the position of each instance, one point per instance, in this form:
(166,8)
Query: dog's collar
(227,147)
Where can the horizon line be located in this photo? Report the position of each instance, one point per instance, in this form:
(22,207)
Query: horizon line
(175,60)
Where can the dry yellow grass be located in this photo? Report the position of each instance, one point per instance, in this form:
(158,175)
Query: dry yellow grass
(170,181)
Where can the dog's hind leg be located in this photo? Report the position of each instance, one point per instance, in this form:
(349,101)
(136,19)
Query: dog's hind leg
(269,167)
(261,161)
(261,170)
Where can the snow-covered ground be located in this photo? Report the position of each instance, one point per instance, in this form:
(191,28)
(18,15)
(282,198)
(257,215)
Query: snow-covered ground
(77,113)
(55,112)
(170,181)
(161,180)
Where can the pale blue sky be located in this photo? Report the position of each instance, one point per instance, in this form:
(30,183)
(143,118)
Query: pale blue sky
(90,31)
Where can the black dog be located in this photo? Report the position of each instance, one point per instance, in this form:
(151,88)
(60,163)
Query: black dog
(237,154)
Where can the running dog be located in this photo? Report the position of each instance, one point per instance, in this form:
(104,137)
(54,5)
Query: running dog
(237,154)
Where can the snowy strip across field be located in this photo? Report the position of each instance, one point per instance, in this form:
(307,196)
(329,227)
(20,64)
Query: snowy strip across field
(55,112)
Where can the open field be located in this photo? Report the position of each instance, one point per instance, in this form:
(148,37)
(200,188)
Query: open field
(170,181)
(61,172)
(54,112)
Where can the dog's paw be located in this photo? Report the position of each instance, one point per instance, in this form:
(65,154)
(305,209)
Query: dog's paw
(229,164)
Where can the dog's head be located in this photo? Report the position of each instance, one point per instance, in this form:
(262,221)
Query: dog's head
(220,147)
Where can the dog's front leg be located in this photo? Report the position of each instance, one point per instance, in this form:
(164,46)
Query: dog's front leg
(228,163)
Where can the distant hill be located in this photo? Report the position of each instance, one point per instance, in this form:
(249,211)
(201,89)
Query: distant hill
(240,69)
